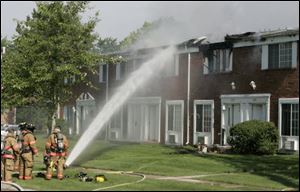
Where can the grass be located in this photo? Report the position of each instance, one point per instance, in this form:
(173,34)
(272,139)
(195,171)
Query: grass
(249,172)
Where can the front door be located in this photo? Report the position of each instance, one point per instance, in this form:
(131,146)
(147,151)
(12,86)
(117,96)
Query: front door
(134,122)
(152,123)
(203,122)
(143,122)
(232,116)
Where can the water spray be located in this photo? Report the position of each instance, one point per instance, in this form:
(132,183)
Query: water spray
(136,80)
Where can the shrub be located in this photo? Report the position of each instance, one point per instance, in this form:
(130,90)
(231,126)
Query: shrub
(255,137)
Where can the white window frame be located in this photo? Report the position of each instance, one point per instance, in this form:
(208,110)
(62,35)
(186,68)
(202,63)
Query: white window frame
(204,102)
(265,55)
(280,102)
(174,102)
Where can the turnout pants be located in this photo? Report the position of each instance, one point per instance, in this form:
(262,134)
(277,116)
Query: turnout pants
(26,165)
(7,167)
(58,163)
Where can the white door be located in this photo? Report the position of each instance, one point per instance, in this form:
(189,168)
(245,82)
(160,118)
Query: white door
(203,123)
(143,124)
(152,123)
(134,122)
(174,122)
(232,116)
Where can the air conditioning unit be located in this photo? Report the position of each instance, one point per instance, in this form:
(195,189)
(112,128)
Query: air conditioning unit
(202,140)
(172,138)
(114,135)
(290,145)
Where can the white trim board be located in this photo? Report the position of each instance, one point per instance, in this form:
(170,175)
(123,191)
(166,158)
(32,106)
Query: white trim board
(270,40)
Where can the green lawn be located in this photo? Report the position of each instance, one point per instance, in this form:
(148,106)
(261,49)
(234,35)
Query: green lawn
(241,172)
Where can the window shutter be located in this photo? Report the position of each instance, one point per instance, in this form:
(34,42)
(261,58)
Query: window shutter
(264,57)
(118,71)
(176,65)
(205,66)
(230,60)
(294,54)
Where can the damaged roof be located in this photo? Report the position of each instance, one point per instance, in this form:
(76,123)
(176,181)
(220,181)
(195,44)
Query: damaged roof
(248,36)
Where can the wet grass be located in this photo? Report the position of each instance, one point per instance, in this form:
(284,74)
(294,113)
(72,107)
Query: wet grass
(251,172)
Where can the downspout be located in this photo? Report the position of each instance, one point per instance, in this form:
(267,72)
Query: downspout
(106,98)
(188,100)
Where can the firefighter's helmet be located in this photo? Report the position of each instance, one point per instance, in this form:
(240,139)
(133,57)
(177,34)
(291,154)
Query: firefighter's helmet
(31,127)
(23,126)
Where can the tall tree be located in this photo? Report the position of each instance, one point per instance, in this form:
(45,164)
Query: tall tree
(107,45)
(136,35)
(51,46)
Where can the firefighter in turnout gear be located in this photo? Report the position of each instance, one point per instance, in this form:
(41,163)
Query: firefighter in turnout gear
(19,138)
(56,153)
(8,155)
(28,150)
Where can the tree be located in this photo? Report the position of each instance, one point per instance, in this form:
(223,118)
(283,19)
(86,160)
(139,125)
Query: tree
(107,45)
(136,35)
(51,46)
(5,44)
(156,27)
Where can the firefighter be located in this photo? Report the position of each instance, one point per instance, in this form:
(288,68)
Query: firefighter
(19,138)
(28,150)
(8,155)
(56,149)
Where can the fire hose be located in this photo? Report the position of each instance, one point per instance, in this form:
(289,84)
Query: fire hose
(123,184)
(8,186)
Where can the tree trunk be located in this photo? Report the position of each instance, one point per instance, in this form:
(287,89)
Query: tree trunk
(51,119)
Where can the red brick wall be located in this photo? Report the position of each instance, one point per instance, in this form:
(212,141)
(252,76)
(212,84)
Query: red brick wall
(280,83)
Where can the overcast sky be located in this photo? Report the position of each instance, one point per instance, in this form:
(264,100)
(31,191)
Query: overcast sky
(196,19)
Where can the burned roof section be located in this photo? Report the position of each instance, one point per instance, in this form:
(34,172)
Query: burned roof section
(255,36)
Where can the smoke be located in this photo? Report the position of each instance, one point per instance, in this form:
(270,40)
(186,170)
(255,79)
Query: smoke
(187,20)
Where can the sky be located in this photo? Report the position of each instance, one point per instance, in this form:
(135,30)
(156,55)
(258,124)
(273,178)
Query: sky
(193,18)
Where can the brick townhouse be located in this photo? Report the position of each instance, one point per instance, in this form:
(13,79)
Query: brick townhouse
(208,88)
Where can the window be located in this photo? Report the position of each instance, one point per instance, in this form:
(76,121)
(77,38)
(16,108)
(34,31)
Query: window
(289,119)
(102,73)
(257,111)
(69,80)
(172,67)
(120,71)
(174,117)
(279,56)
(219,61)
(203,117)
